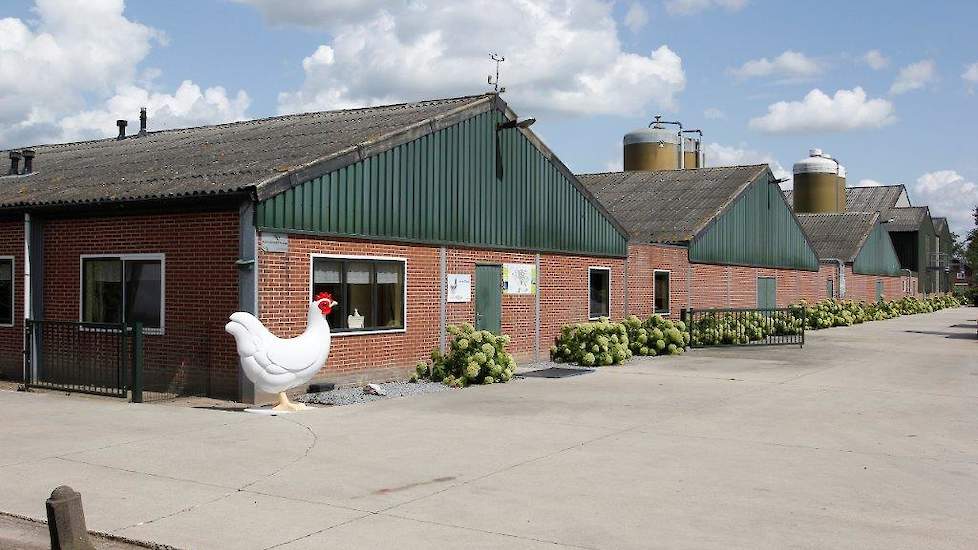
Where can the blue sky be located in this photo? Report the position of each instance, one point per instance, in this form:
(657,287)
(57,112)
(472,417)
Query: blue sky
(746,71)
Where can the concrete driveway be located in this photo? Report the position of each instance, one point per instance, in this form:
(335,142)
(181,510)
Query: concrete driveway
(866,438)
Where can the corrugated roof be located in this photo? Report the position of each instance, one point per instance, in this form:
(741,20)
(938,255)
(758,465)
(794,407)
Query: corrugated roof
(838,236)
(906,219)
(669,205)
(940,224)
(867,199)
(210,160)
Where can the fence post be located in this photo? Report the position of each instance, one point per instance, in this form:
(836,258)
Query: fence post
(137,363)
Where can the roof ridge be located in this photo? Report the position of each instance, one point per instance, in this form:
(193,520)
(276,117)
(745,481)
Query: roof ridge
(404,104)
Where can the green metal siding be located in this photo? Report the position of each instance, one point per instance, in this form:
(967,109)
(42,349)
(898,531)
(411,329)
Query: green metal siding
(877,256)
(758,230)
(442,189)
(925,253)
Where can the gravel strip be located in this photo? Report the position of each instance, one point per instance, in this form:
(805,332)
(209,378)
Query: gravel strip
(352,396)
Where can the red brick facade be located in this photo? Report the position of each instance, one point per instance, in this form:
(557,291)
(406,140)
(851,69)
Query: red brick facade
(562,286)
(12,337)
(201,286)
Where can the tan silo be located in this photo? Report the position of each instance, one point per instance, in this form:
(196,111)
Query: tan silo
(841,196)
(692,152)
(653,148)
(816,184)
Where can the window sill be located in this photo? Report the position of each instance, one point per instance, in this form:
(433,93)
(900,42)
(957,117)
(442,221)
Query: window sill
(7,325)
(347,333)
(662,312)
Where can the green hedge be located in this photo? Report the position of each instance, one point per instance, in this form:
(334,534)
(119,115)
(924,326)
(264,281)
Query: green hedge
(602,342)
(836,313)
(475,357)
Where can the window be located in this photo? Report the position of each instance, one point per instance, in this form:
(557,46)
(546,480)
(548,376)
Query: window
(369,292)
(599,289)
(660,291)
(829,287)
(123,289)
(6,291)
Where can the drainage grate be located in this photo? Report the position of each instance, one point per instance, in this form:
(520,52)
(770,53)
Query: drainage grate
(555,372)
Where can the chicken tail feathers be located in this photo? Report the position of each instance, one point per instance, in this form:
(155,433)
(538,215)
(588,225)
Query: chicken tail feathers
(246,341)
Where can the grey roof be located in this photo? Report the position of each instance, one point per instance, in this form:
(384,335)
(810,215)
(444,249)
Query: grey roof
(212,160)
(867,199)
(669,205)
(838,236)
(940,224)
(906,219)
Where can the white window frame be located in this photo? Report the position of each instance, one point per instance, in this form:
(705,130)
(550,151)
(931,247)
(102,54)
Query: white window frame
(124,257)
(13,291)
(668,310)
(591,268)
(346,333)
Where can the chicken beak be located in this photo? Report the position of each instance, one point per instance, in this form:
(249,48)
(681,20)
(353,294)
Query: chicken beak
(333,304)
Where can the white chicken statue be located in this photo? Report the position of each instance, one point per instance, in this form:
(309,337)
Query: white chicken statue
(275,364)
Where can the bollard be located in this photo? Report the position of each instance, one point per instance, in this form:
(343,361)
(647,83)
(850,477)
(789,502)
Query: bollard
(66,520)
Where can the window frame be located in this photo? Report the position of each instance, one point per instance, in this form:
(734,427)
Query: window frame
(344,332)
(668,309)
(589,270)
(148,256)
(13,292)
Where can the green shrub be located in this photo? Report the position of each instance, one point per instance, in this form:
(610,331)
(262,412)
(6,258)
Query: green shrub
(835,313)
(597,343)
(474,357)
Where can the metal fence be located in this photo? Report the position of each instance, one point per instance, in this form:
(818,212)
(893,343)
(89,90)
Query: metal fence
(80,357)
(745,327)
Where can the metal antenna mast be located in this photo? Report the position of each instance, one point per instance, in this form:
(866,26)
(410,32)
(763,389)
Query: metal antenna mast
(495,83)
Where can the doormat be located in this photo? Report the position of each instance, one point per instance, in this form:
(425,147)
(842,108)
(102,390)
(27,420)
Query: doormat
(555,372)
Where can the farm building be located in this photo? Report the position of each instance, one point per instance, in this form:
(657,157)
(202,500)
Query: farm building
(943,247)
(910,228)
(855,249)
(709,238)
(414,216)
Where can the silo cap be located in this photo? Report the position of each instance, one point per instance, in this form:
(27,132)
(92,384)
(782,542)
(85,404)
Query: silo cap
(652,135)
(815,164)
(815,152)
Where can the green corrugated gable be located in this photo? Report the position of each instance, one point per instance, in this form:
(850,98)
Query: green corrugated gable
(759,230)
(877,255)
(441,188)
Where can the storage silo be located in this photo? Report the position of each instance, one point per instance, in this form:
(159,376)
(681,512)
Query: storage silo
(652,148)
(692,152)
(816,184)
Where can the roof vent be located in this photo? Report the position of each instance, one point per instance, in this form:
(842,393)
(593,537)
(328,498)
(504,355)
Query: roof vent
(142,121)
(122,128)
(14,163)
(28,160)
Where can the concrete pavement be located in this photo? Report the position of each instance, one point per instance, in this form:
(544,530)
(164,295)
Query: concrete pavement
(866,438)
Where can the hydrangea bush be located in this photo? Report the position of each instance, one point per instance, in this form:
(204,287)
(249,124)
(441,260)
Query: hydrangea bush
(835,313)
(656,336)
(592,344)
(743,327)
(474,357)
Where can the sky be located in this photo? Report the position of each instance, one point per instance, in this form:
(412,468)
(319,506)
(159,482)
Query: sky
(888,88)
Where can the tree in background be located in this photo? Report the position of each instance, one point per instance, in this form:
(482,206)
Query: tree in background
(970,249)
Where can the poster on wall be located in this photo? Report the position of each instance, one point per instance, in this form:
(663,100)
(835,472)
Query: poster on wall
(459,287)
(519,278)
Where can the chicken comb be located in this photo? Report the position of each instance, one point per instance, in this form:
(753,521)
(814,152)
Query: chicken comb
(323,296)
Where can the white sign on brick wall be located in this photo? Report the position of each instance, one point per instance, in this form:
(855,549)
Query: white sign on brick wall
(459,287)
(519,279)
(275,242)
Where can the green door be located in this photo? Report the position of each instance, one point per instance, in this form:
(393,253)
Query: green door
(767,293)
(488,298)
(879,290)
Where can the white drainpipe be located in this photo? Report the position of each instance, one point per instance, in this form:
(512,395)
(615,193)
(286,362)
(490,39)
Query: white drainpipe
(842,276)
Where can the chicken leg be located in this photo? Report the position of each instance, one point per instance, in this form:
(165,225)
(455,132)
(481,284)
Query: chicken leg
(285,405)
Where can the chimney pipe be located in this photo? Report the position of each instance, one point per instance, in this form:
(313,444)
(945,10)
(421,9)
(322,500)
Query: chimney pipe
(14,162)
(122,128)
(142,121)
(28,155)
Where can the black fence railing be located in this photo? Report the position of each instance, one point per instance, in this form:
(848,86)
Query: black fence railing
(745,327)
(80,357)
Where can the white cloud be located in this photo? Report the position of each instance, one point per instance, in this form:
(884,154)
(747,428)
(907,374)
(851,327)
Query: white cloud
(690,7)
(70,56)
(564,55)
(636,17)
(914,77)
(187,106)
(817,112)
(948,194)
(727,155)
(876,60)
(713,113)
(790,65)
(867,182)
(970,75)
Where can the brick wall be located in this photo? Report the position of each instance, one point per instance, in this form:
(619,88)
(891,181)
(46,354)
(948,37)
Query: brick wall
(201,288)
(562,286)
(12,338)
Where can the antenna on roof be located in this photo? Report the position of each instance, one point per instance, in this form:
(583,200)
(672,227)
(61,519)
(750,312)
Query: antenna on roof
(495,82)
